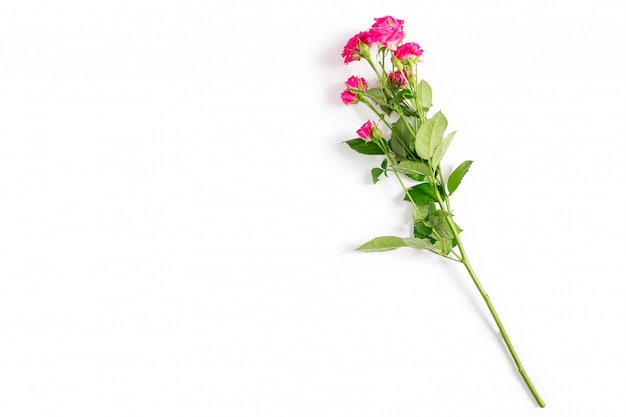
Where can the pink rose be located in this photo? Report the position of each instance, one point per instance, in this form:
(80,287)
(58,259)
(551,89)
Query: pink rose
(398,79)
(352,52)
(353,83)
(357,83)
(366,130)
(387,31)
(349,98)
(409,50)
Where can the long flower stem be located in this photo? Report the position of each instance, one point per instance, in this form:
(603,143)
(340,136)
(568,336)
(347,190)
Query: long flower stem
(494,314)
(503,332)
(444,204)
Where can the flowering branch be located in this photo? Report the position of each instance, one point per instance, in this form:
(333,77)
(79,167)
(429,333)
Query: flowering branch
(412,149)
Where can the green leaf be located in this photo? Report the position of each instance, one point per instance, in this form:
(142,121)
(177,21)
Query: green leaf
(377,95)
(407,110)
(365,147)
(430,135)
(416,177)
(457,175)
(386,109)
(425,94)
(422,210)
(417,243)
(440,224)
(444,246)
(402,137)
(401,96)
(440,247)
(398,147)
(421,230)
(376,173)
(413,168)
(382,243)
(441,149)
(421,193)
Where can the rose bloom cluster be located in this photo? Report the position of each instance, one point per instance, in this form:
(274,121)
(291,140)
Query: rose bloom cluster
(386,32)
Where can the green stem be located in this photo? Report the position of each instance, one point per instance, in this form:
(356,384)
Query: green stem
(393,164)
(417,99)
(380,79)
(381,117)
(503,332)
(492,310)
(445,195)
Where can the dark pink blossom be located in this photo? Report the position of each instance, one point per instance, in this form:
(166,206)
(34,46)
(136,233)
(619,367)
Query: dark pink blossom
(357,83)
(353,83)
(398,79)
(366,130)
(387,31)
(349,97)
(352,51)
(409,50)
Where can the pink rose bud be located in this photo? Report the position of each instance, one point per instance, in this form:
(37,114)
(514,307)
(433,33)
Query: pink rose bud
(387,31)
(409,50)
(349,97)
(397,79)
(353,83)
(366,130)
(376,134)
(357,83)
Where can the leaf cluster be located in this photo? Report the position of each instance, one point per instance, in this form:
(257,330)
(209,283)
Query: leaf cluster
(413,150)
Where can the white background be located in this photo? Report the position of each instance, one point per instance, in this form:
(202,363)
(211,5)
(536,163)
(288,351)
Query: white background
(178,213)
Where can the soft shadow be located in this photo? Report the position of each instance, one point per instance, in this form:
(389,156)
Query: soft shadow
(330,61)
